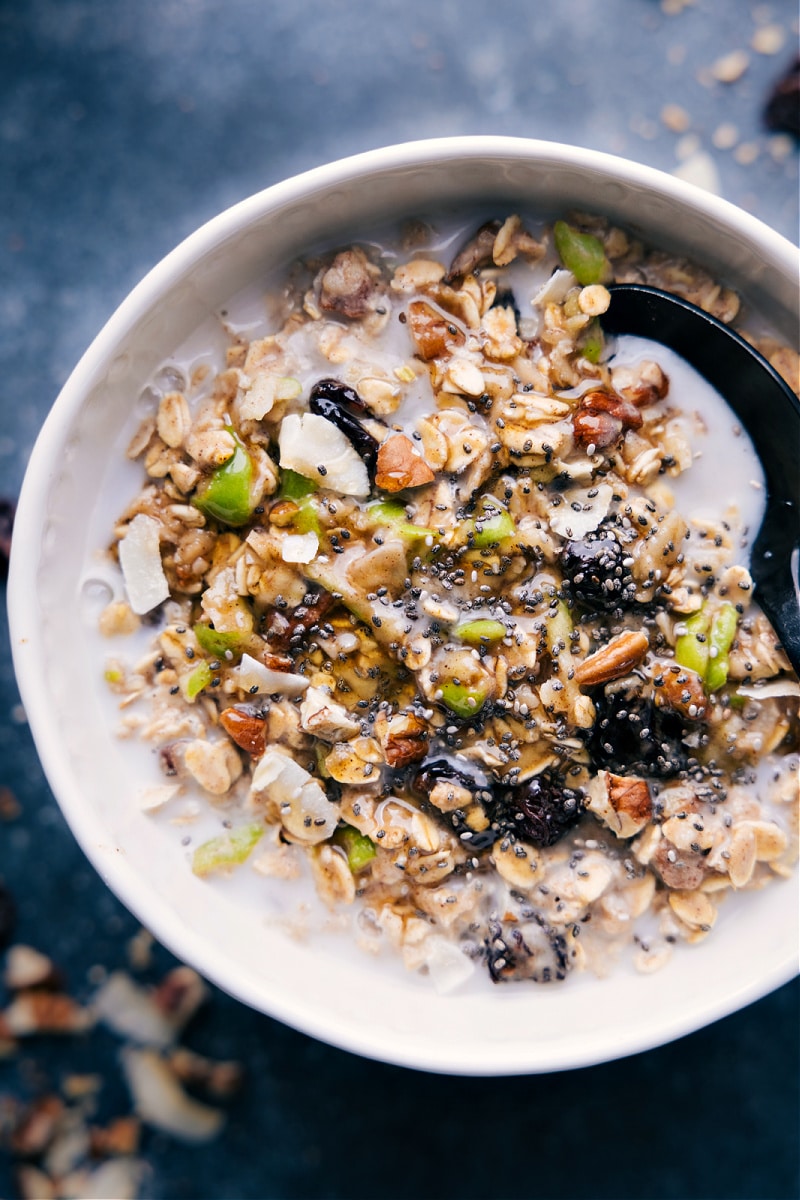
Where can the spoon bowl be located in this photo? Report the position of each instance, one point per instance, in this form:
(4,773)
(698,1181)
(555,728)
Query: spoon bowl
(769,411)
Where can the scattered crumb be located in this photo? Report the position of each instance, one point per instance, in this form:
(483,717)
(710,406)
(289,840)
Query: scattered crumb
(58,1147)
(700,170)
(747,153)
(675,118)
(673,8)
(731,66)
(725,136)
(769,39)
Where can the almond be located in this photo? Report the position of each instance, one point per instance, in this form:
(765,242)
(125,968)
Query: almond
(248,732)
(615,659)
(400,466)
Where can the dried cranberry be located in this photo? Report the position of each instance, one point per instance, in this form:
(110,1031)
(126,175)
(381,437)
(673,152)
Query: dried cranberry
(330,399)
(541,810)
(632,734)
(595,572)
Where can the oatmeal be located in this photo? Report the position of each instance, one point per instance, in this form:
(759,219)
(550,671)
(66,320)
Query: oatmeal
(448,606)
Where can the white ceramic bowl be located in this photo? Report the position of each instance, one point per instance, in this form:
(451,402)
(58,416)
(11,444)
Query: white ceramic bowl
(68,502)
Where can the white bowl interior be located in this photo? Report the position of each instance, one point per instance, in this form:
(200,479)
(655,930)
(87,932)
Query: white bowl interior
(71,495)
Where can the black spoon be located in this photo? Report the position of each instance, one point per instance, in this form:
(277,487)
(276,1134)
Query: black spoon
(768,410)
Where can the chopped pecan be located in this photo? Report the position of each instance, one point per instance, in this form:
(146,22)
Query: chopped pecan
(246,729)
(220,1078)
(642,385)
(622,802)
(681,690)
(120,1136)
(434,334)
(615,659)
(601,418)
(406,740)
(46,1012)
(400,466)
(630,796)
(347,285)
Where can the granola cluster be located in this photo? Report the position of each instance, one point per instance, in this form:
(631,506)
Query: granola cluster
(427,621)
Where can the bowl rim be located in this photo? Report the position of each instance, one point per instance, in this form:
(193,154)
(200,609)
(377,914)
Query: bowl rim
(28,651)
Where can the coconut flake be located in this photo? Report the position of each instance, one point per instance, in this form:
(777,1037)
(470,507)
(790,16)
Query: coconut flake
(160,1101)
(252,674)
(308,442)
(769,691)
(140,560)
(448,966)
(132,1012)
(119,1177)
(555,288)
(304,809)
(299,547)
(592,506)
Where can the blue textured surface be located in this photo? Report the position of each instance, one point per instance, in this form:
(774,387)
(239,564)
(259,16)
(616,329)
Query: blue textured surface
(123,125)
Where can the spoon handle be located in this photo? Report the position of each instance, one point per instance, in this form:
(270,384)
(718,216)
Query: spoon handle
(768,410)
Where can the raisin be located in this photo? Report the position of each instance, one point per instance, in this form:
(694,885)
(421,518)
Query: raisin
(632,734)
(330,399)
(595,572)
(541,810)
